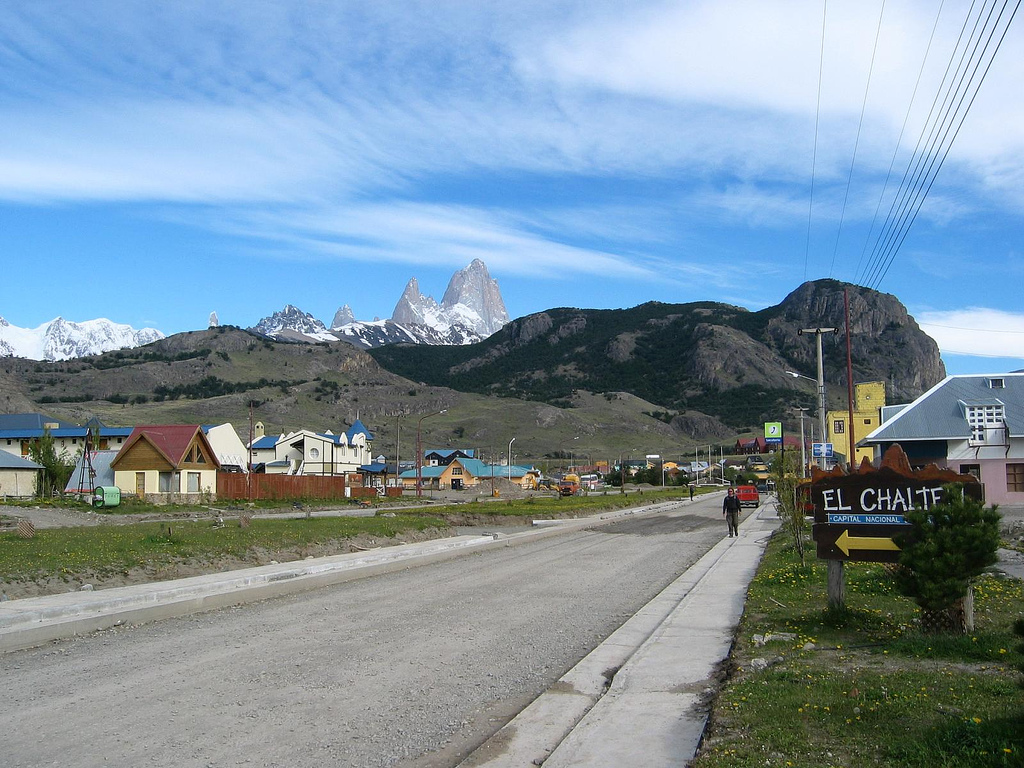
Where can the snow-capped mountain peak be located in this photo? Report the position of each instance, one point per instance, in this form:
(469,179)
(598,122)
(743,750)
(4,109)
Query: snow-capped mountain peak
(472,310)
(473,296)
(472,301)
(343,316)
(62,339)
(293,321)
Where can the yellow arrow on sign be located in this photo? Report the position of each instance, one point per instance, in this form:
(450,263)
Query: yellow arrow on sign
(846,542)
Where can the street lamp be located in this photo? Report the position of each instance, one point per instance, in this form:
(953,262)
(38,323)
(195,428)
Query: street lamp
(510,459)
(419,450)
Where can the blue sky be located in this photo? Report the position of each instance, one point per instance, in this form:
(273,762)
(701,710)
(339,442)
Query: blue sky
(162,161)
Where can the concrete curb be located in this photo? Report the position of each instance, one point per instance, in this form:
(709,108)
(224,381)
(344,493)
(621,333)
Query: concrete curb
(645,684)
(29,622)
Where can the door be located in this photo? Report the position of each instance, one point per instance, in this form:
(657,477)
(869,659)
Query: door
(140,483)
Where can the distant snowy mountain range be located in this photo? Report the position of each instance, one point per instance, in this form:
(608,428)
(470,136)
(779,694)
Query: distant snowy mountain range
(471,309)
(62,339)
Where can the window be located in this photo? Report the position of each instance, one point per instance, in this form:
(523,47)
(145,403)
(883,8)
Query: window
(868,422)
(314,453)
(982,417)
(996,384)
(168,482)
(456,470)
(193,482)
(838,427)
(1015,478)
(971,469)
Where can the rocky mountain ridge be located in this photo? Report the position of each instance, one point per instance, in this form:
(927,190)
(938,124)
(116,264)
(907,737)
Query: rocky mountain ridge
(669,375)
(707,357)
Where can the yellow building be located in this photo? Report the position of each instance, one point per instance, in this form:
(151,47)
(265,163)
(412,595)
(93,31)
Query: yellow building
(868,399)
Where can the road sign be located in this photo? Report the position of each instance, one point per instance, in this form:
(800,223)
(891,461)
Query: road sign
(773,432)
(821,450)
(858,516)
(865,543)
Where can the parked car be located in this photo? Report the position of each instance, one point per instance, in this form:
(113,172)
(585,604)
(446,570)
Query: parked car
(748,496)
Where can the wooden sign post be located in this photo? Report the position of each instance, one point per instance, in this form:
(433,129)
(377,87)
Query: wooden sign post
(857,515)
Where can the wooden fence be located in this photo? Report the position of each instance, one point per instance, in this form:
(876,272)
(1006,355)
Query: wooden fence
(232,485)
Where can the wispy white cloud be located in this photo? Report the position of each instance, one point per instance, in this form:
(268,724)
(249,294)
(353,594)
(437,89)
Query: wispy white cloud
(976,331)
(400,131)
(427,234)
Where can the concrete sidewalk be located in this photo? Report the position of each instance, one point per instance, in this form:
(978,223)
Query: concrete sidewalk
(639,699)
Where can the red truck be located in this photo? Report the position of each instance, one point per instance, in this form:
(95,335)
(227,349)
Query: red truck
(748,496)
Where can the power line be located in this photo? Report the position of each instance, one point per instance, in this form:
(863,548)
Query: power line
(856,143)
(941,136)
(899,140)
(900,201)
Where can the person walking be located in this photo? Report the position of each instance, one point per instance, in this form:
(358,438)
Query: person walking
(731,510)
(691,491)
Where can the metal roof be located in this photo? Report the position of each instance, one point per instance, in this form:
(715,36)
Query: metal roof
(104,475)
(27,434)
(10,461)
(22,421)
(938,414)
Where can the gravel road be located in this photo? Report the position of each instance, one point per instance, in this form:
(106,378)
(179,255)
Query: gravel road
(411,669)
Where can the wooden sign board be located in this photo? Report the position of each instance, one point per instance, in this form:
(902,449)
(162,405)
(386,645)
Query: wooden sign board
(857,515)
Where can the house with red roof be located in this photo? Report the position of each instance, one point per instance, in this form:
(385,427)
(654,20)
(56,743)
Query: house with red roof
(169,463)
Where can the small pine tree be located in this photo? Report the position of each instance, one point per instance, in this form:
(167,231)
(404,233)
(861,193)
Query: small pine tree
(942,551)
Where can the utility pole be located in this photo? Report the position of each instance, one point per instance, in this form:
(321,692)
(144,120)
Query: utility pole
(419,451)
(822,405)
(836,579)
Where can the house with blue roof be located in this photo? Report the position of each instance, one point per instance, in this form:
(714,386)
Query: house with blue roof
(19,430)
(972,424)
(464,474)
(306,452)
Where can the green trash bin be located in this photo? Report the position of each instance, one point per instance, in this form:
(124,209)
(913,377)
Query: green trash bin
(106,496)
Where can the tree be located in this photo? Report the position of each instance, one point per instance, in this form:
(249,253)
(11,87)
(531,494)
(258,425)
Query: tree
(942,551)
(57,468)
(784,469)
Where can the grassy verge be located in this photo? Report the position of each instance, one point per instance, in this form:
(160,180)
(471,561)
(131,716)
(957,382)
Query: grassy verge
(106,553)
(70,553)
(864,687)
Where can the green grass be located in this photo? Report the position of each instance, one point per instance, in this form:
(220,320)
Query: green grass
(71,553)
(873,690)
(89,552)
